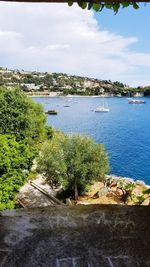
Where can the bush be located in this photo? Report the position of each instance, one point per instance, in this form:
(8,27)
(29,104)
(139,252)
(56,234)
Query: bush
(16,157)
(73,161)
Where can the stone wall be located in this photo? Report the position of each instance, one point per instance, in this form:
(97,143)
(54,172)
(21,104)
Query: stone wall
(83,236)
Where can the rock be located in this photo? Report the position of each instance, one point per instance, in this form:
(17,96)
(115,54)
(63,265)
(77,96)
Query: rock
(96,195)
(139,182)
(68,202)
(146,202)
(103,191)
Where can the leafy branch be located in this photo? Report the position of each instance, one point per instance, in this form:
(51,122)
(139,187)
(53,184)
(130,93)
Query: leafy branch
(99,6)
(143,197)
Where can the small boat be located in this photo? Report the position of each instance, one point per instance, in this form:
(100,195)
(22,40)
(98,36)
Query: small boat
(102,108)
(136,101)
(51,112)
(66,105)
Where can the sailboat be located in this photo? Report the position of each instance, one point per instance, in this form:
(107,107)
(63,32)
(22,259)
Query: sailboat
(102,108)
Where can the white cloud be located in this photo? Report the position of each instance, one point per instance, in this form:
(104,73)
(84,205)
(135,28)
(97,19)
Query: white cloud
(57,38)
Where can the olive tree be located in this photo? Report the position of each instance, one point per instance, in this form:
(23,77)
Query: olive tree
(74,161)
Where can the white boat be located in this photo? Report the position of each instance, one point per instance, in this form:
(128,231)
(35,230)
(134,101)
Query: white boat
(136,101)
(102,108)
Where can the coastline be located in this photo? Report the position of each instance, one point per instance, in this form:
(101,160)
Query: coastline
(56,94)
(128,179)
(70,96)
(109,192)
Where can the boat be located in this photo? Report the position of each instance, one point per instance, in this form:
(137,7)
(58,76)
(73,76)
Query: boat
(136,101)
(66,105)
(51,112)
(102,108)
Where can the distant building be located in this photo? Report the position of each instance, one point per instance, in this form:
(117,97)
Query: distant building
(31,86)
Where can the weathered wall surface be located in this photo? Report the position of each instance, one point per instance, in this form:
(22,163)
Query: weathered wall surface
(83,236)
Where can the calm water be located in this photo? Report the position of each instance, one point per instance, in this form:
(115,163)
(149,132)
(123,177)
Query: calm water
(125,130)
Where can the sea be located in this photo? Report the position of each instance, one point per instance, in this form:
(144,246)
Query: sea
(124,130)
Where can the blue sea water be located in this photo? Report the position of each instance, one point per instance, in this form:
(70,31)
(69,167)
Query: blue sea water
(125,130)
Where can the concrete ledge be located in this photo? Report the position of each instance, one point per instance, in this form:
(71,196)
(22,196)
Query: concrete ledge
(82,236)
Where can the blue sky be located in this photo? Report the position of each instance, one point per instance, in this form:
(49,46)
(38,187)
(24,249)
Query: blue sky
(58,38)
(129,22)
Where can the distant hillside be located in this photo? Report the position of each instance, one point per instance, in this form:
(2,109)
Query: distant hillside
(63,84)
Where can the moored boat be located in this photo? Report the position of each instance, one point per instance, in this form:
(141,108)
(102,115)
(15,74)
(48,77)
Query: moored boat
(102,108)
(136,101)
(51,112)
(66,105)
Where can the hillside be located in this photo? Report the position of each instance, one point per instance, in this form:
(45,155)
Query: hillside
(38,82)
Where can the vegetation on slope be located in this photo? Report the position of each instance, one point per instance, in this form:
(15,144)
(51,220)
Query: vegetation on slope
(65,84)
(71,161)
(22,131)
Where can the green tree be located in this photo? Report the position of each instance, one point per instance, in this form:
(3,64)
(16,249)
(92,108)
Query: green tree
(22,130)
(51,160)
(13,154)
(74,161)
(21,116)
(15,159)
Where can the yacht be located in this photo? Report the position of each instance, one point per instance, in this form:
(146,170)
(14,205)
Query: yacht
(136,101)
(102,108)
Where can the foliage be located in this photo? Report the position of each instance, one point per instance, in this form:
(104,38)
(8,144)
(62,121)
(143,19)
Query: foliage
(9,186)
(13,155)
(49,131)
(73,161)
(22,130)
(140,199)
(16,159)
(98,6)
(51,161)
(127,188)
(20,116)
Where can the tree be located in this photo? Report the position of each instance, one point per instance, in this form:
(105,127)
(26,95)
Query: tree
(21,116)
(22,129)
(51,160)
(73,161)
(16,159)
(13,154)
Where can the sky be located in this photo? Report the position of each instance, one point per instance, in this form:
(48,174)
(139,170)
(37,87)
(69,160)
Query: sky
(58,38)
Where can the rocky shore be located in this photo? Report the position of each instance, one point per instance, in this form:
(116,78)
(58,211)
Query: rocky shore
(117,190)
